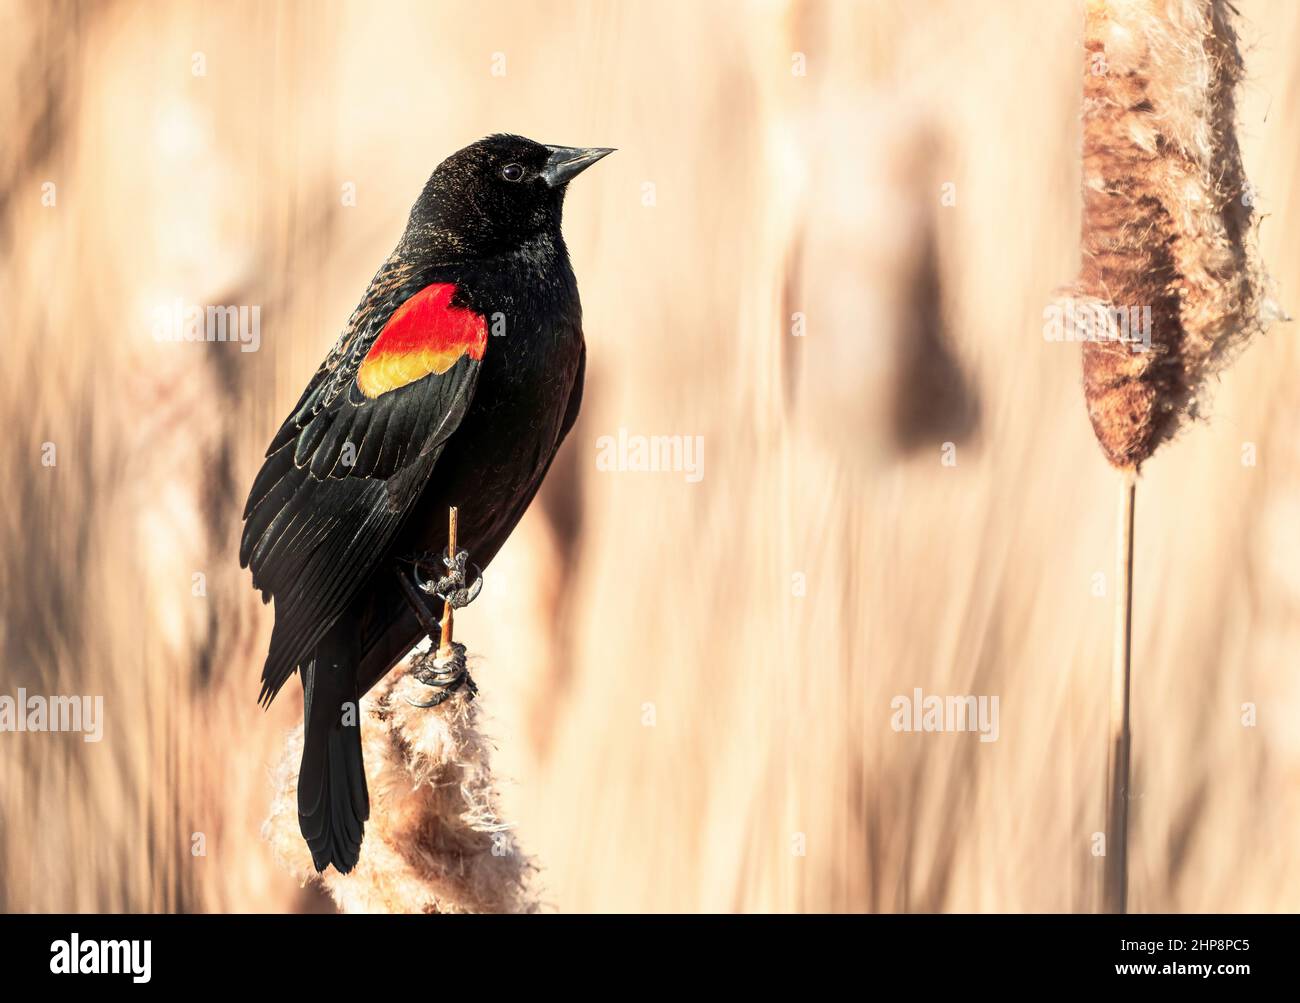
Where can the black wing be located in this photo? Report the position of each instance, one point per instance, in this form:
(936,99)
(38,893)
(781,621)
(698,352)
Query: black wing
(339,479)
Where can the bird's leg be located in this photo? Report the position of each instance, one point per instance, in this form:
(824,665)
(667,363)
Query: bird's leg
(416,602)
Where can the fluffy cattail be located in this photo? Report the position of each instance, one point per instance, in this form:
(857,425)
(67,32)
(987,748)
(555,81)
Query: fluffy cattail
(434,842)
(1170,287)
(1168,243)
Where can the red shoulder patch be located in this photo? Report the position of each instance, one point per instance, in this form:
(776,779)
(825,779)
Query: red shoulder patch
(426,334)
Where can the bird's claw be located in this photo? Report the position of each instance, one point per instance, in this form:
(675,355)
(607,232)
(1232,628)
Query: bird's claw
(446,678)
(451,587)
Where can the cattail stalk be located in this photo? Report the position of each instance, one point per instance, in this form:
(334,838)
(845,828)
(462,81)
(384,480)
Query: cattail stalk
(445,632)
(1115,878)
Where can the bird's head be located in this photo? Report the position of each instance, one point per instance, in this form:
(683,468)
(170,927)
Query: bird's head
(496,195)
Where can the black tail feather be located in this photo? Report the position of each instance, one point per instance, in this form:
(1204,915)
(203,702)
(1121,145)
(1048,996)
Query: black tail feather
(333,802)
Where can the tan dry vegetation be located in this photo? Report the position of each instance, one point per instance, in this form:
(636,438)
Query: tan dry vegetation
(775,194)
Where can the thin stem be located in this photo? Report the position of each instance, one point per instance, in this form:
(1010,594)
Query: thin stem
(1115,891)
(444,645)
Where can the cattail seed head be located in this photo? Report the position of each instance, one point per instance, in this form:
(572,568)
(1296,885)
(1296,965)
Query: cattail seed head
(1167,240)
(434,842)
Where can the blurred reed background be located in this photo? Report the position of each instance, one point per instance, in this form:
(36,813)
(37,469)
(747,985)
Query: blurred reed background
(626,598)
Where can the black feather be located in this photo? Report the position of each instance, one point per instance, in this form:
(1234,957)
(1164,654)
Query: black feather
(310,437)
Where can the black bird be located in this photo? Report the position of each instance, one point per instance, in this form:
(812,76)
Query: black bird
(454,383)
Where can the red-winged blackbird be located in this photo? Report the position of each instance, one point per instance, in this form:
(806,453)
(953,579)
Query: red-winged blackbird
(416,409)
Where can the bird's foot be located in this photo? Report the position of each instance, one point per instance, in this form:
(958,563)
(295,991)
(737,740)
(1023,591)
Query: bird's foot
(454,588)
(446,675)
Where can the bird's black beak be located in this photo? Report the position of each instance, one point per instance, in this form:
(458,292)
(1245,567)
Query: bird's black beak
(567,162)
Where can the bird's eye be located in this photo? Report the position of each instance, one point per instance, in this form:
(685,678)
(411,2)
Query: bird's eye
(512,172)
